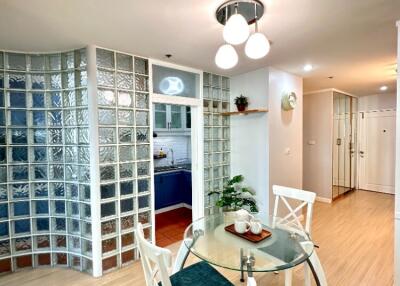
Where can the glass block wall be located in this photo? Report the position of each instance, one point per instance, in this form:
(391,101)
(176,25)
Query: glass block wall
(124,153)
(216,96)
(45,213)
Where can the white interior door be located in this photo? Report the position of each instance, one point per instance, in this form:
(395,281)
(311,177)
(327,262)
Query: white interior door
(377,151)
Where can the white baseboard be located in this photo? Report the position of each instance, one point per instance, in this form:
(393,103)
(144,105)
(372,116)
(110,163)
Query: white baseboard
(173,207)
(323,200)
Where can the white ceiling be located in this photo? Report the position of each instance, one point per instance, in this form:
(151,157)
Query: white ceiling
(352,40)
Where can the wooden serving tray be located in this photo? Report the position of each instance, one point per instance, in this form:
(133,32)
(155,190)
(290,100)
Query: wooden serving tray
(249,235)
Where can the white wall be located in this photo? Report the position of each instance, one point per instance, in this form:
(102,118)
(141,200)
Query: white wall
(317,143)
(179,144)
(249,135)
(377,102)
(267,147)
(285,132)
(397,184)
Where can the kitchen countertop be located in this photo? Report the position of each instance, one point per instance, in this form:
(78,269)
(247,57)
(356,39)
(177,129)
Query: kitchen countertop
(170,169)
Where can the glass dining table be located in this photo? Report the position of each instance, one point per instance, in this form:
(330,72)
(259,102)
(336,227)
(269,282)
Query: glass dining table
(207,239)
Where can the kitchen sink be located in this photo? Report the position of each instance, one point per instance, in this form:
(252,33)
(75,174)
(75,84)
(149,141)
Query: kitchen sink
(167,168)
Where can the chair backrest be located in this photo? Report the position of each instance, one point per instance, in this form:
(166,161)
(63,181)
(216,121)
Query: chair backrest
(182,255)
(155,260)
(292,218)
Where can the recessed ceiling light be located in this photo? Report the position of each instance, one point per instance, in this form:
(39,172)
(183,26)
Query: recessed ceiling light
(308,67)
(383,87)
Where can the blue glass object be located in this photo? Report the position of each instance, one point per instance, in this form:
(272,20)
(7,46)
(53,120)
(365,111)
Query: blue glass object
(17,99)
(2,136)
(39,136)
(74,191)
(42,207)
(4,229)
(17,81)
(59,207)
(107,191)
(19,136)
(3,155)
(41,190)
(3,192)
(20,191)
(19,154)
(1,82)
(3,174)
(2,118)
(143,185)
(126,188)
(20,172)
(42,224)
(40,154)
(38,100)
(56,100)
(143,202)
(60,224)
(18,117)
(40,172)
(55,118)
(126,205)
(74,208)
(21,226)
(3,211)
(75,225)
(38,81)
(38,118)
(21,208)
(58,190)
(107,209)
(1,95)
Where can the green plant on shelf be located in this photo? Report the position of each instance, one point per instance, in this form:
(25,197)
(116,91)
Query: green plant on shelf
(234,196)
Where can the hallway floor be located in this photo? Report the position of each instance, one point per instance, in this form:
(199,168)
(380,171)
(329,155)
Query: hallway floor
(355,235)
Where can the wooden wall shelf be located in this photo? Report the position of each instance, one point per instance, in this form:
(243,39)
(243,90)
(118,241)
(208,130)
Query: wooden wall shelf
(245,112)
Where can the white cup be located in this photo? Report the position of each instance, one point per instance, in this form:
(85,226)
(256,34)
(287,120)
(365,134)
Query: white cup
(242,226)
(255,226)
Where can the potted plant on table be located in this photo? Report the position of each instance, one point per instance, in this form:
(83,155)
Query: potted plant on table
(241,102)
(235,197)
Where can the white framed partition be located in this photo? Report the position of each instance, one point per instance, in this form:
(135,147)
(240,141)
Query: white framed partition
(197,145)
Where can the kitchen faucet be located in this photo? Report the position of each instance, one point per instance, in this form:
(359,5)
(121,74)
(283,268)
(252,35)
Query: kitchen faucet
(172,155)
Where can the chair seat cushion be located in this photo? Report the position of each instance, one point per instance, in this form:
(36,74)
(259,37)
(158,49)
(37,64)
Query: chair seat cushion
(199,274)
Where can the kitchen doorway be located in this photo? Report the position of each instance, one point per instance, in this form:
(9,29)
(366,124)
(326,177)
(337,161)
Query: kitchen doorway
(172,161)
(177,149)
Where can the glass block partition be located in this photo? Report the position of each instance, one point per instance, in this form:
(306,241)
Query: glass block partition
(124,153)
(45,211)
(216,94)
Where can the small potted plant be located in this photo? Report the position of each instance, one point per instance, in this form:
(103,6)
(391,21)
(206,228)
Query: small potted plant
(241,102)
(235,197)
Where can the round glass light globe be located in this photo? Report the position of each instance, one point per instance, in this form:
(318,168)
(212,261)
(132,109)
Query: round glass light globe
(257,46)
(236,30)
(226,57)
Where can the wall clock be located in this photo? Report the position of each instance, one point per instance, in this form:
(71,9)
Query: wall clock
(289,100)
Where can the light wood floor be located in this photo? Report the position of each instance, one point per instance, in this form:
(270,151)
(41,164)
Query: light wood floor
(355,235)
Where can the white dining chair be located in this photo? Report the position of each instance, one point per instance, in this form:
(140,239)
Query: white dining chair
(292,222)
(157,260)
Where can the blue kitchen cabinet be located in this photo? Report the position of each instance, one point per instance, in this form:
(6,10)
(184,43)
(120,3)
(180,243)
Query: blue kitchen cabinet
(172,188)
(187,187)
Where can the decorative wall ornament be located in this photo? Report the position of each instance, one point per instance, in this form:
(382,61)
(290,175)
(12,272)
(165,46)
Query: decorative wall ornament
(289,101)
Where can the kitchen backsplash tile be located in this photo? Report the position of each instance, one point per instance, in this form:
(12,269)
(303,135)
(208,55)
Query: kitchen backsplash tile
(181,145)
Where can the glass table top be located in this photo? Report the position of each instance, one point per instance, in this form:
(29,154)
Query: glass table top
(207,239)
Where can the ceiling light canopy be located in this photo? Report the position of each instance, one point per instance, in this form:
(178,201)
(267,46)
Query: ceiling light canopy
(383,87)
(237,16)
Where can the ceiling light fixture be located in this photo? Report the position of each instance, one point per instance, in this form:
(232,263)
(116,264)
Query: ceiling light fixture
(383,87)
(226,57)
(257,45)
(237,16)
(308,67)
